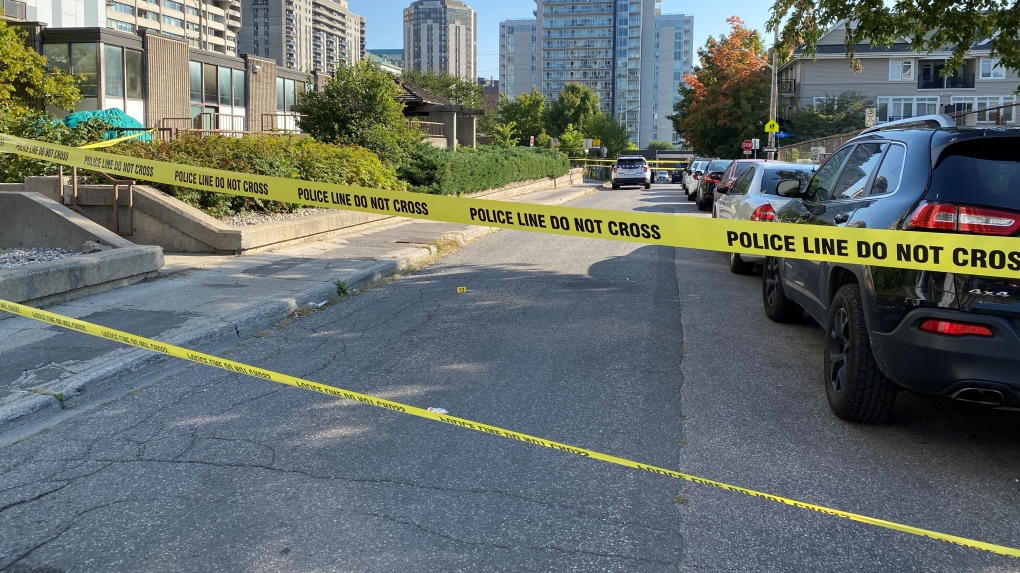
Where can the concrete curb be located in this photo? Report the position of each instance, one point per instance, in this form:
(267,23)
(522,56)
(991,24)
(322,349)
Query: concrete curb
(80,388)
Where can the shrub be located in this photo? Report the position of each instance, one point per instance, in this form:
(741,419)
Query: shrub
(466,170)
(278,156)
(41,126)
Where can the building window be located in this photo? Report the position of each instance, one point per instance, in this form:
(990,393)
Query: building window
(118,25)
(901,70)
(238,76)
(113,71)
(171,21)
(173,5)
(195,77)
(210,94)
(893,108)
(85,63)
(225,82)
(123,8)
(133,73)
(991,69)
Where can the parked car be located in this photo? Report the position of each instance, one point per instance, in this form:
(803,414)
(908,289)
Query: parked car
(632,170)
(752,197)
(733,171)
(662,176)
(677,174)
(945,334)
(706,186)
(692,177)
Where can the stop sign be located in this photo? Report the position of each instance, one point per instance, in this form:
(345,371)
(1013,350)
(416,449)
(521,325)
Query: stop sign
(748,145)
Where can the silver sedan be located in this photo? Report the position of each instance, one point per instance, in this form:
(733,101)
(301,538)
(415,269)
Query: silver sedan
(752,197)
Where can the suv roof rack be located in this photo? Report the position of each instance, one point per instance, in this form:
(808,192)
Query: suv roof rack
(934,120)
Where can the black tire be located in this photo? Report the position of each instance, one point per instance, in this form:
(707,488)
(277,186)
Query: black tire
(778,307)
(691,196)
(648,185)
(856,388)
(616,186)
(738,266)
(703,206)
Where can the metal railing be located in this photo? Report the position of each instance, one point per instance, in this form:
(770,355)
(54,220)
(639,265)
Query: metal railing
(429,128)
(116,186)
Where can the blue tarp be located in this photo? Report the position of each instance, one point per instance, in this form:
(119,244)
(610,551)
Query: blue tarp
(112,116)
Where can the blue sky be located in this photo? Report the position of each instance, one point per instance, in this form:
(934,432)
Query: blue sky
(385,21)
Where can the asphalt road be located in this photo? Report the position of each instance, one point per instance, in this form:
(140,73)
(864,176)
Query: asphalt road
(644,352)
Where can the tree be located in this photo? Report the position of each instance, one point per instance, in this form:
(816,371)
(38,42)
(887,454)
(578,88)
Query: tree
(527,111)
(727,96)
(24,79)
(505,134)
(927,25)
(837,114)
(358,106)
(612,133)
(453,88)
(571,141)
(575,105)
(660,145)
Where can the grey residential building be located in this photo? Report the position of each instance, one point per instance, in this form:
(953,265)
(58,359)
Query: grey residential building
(901,82)
(302,35)
(441,35)
(518,57)
(630,54)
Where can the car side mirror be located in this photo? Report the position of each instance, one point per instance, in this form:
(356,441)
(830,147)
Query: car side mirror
(722,189)
(788,188)
(699,173)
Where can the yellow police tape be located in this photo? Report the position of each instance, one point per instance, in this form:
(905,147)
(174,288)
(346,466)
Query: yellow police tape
(231,366)
(948,252)
(112,142)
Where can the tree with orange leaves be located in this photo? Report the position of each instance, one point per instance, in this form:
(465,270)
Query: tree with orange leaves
(726,99)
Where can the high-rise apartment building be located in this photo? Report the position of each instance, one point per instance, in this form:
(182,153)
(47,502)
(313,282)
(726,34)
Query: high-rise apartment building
(671,61)
(441,35)
(302,35)
(518,57)
(628,53)
(209,25)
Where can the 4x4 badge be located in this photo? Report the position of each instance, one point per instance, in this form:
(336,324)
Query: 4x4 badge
(980,292)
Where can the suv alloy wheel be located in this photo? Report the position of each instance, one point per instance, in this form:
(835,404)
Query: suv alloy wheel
(856,389)
(778,307)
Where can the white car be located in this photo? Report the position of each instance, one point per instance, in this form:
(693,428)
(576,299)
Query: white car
(662,176)
(632,170)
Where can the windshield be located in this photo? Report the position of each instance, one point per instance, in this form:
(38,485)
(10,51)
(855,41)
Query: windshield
(773,175)
(630,162)
(979,172)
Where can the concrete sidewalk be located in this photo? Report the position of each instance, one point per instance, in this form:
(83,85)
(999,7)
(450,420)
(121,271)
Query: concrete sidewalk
(204,300)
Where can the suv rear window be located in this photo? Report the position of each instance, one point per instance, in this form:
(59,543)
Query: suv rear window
(980,172)
(630,162)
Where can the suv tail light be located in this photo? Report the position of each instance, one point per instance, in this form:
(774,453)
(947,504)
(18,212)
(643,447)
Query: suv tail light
(954,328)
(646,169)
(764,213)
(964,219)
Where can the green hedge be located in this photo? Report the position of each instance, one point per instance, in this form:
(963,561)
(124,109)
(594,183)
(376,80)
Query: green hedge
(280,156)
(466,170)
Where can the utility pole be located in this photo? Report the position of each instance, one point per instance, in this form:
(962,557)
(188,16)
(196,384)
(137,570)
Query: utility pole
(774,93)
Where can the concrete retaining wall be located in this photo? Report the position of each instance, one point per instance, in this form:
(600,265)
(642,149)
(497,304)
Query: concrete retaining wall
(31,220)
(159,219)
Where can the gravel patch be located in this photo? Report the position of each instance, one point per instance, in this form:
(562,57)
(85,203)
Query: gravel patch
(246,219)
(10,258)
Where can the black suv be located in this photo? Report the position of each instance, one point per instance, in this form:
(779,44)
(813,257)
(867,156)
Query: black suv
(937,333)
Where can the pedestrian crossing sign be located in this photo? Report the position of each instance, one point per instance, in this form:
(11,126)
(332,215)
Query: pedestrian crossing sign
(772,127)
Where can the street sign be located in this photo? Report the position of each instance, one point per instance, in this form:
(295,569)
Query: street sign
(782,135)
(554,142)
(769,149)
(747,153)
(533,141)
(596,142)
(755,144)
(747,146)
(870,117)
(772,127)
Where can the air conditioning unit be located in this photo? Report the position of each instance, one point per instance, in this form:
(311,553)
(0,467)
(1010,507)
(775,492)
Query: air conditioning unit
(109,2)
